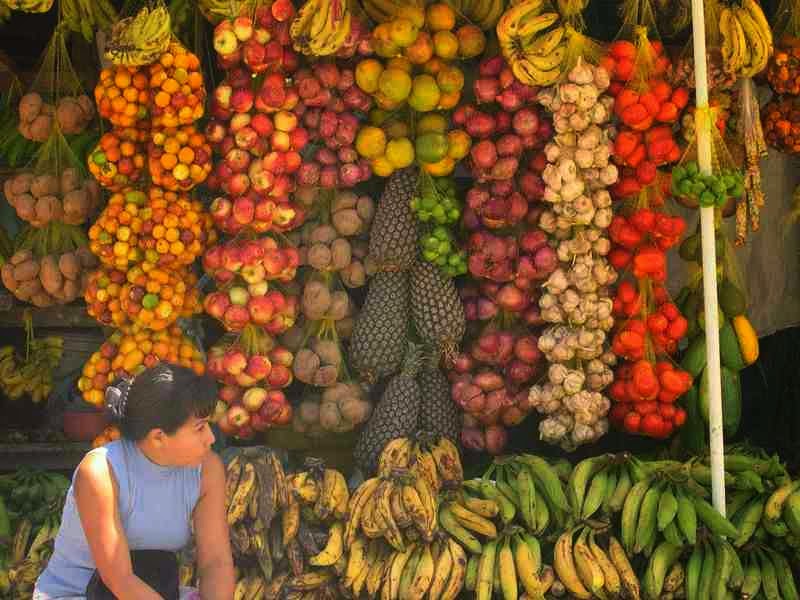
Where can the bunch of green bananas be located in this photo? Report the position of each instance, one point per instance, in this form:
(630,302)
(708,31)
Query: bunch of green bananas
(27,557)
(140,39)
(87,16)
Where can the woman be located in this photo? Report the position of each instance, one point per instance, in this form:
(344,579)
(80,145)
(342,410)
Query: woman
(146,491)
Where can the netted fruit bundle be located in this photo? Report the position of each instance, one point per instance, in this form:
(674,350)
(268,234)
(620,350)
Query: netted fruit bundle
(114,236)
(328,99)
(57,278)
(232,364)
(236,307)
(178,158)
(102,296)
(72,113)
(254,261)
(256,213)
(175,228)
(128,354)
(119,158)
(39,199)
(177,89)
(123,96)
(152,298)
(782,124)
(338,409)
(783,69)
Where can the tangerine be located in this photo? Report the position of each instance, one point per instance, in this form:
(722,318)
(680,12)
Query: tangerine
(450,79)
(395,84)
(400,152)
(371,142)
(440,17)
(368,71)
(425,94)
(431,147)
(402,32)
(421,51)
(445,44)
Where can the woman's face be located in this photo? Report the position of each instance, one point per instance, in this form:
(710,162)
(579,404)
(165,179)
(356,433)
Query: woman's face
(190,443)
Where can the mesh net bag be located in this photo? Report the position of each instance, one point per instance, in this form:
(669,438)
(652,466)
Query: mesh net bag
(15,150)
(56,96)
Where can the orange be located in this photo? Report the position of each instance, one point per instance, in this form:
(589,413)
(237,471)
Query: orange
(413,13)
(471,41)
(425,94)
(122,79)
(440,17)
(449,100)
(434,65)
(421,50)
(402,32)
(445,44)
(381,166)
(395,84)
(400,152)
(459,144)
(450,79)
(371,142)
(367,73)
(162,99)
(186,155)
(400,62)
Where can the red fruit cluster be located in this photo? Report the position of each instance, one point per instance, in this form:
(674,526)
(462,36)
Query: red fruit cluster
(641,239)
(504,129)
(490,384)
(621,60)
(328,97)
(659,104)
(238,307)
(260,42)
(250,399)
(255,261)
(645,396)
(665,328)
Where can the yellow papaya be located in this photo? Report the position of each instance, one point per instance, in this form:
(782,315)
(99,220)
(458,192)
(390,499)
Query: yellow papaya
(748,340)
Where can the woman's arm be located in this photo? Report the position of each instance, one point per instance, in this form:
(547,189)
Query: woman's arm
(96,499)
(214,559)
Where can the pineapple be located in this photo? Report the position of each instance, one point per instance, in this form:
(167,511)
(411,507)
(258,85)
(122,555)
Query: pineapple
(439,413)
(380,334)
(393,236)
(396,415)
(436,309)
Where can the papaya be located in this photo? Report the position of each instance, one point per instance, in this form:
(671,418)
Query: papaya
(731,401)
(748,340)
(729,351)
(731,299)
(694,360)
(693,432)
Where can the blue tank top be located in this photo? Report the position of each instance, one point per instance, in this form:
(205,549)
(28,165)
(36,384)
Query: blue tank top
(155,507)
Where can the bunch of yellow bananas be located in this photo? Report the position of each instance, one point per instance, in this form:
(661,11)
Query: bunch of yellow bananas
(321,27)
(290,526)
(746,39)
(31,6)
(33,376)
(140,39)
(87,16)
(533,42)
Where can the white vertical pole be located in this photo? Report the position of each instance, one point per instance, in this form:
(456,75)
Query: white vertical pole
(703,132)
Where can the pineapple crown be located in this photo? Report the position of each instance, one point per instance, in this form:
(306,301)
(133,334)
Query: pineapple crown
(413,361)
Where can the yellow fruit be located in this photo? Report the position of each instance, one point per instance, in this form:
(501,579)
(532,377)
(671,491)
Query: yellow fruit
(371,142)
(385,49)
(395,84)
(396,129)
(382,32)
(445,45)
(440,17)
(450,79)
(441,168)
(400,152)
(459,144)
(386,103)
(368,71)
(431,147)
(432,122)
(449,100)
(381,166)
(421,51)
(414,14)
(403,32)
(471,41)
(400,62)
(425,94)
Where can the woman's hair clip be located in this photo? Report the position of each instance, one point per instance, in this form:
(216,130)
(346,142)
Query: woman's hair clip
(116,397)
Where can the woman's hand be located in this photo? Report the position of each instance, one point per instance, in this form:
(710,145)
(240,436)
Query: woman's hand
(214,559)
(96,497)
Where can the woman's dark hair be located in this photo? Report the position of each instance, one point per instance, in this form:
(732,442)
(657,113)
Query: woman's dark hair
(163,397)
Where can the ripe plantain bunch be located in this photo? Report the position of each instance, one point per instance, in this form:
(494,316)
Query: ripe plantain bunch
(321,27)
(286,530)
(533,40)
(140,39)
(746,39)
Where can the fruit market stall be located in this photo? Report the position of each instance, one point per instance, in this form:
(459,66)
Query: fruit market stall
(481,284)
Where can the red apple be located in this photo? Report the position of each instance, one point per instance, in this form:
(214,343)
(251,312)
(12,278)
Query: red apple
(242,100)
(234,361)
(216,303)
(225,41)
(238,121)
(262,124)
(225,425)
(253,273)
(238,295)
(238,415)
(223,94)
(254,398)
(261,309)
(258,366)
(243,28)
(258,289)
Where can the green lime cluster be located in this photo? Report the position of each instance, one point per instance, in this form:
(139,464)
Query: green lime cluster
(436,201)
(440,248)
(706,190)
